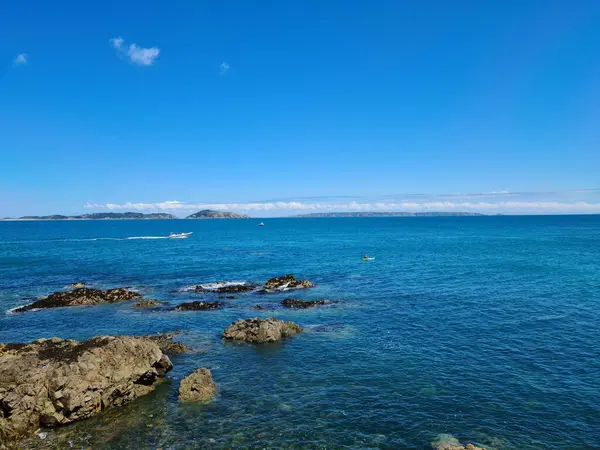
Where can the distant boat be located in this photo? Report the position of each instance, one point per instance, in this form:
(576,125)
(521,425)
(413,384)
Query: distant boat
(261,224)
(368,258)
(179,235)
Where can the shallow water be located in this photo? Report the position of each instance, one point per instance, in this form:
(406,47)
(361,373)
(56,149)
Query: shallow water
(486,328)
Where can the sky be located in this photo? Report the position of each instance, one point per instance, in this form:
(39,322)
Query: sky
(281,107)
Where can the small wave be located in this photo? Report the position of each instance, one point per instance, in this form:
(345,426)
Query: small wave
(212,286)
(12,310)
(147,237)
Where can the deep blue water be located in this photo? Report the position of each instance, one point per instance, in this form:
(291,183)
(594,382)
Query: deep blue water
(487,328)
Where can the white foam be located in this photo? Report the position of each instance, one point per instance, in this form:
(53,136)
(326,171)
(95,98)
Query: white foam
(212,286)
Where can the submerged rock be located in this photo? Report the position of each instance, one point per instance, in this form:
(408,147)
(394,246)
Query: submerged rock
(286,283)
(148,303)
(51,382)
(195,306)
(80,297)
(166,344)
(448,442)
(261,330)
(302,304)
(197,387)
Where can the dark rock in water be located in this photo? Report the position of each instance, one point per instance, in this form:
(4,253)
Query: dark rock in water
(51,382)
(448,442)
(78,285)
(166,344)
(329,327)
(195,306)
(81,296)
(261,330)
(257,307)
(286,283)
(148,303)
(197,387)
(230,297)
(226,289)
(295,303)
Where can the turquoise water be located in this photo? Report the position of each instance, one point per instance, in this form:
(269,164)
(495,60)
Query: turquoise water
(487,328)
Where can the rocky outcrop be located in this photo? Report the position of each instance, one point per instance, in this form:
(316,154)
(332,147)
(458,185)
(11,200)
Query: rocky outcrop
(302,304)
(78,285)
(197,387)
(261,330)
(448,442)
(196,306)
(285,283)
(51,382)
(166,344)
(150,303)
(80,297)
(226,289)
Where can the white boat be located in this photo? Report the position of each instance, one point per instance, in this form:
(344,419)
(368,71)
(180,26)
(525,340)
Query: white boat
(179,235)
(261,224)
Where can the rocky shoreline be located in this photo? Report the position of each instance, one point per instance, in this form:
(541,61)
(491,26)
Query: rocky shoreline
(52,382)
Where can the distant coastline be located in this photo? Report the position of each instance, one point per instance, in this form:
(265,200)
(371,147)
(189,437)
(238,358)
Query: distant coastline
(388,214)
(204,214)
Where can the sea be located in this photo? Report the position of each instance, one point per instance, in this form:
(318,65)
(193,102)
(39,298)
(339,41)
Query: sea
(483,328)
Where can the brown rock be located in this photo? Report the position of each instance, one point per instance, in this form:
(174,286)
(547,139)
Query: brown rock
(51,382)
(195,306)
(166,344)
(302,304)
(285,283)
(261,330)
(81,296)
(148,303)
(448,442)
(197,387)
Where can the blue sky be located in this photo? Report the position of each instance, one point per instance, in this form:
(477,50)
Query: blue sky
(302,105)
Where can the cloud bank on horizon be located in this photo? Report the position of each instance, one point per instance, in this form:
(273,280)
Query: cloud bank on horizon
(502,202)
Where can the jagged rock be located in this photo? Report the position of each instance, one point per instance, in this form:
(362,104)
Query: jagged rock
(285,283)
(148,303)
(166,344)
(78,285)
(51,382)
(448,442)
(81,296)
(261,330)
(197,387)
(226,289)
(302,304)
(195,306)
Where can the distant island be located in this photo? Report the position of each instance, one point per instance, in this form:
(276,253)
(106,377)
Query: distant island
(210,214)
(388,214)
(100,216)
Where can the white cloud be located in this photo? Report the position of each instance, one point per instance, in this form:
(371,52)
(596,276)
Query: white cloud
(20,59)
(117,43)
(143,56)
(137,55)
(225,67)
(515,207)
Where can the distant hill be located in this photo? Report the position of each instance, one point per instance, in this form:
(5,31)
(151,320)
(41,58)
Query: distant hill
(101,216)
(126,215)
(389,214)
(210,214)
